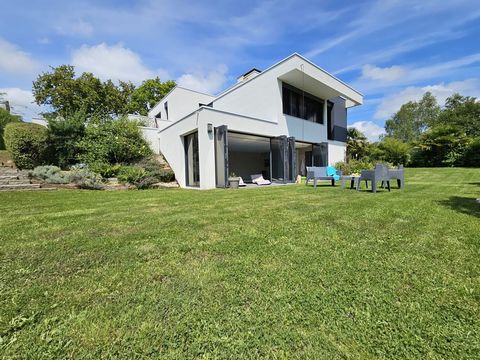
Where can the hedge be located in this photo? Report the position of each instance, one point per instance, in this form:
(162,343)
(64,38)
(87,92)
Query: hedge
(27,144)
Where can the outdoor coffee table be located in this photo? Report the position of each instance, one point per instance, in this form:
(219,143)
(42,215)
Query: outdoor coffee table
(353,181)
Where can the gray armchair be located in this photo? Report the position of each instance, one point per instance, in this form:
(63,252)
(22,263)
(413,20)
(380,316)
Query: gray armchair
(397,174)
(380,174)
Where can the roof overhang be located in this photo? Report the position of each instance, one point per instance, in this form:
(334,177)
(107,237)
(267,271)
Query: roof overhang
(321,84)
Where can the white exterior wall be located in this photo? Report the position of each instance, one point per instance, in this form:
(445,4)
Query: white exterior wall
(336,152)
(181,102)
(151,135)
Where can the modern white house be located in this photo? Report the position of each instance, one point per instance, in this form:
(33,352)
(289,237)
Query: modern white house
(273,122)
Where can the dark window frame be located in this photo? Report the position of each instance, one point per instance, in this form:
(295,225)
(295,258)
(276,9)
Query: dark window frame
(300,104)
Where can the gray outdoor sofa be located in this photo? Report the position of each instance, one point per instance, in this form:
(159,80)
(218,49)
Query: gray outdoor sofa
(316,173)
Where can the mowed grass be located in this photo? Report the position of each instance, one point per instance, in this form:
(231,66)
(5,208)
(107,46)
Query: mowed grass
(281,272)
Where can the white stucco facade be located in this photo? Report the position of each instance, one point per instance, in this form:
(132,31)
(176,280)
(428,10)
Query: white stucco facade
(253,108)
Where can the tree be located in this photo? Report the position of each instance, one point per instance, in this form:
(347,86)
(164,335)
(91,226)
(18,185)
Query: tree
(413,118)
(67,94)
(442,145)
(394,151)
(463,112)
(357,144)
(147,95)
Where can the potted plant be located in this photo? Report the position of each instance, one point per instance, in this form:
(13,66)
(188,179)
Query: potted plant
(233,180)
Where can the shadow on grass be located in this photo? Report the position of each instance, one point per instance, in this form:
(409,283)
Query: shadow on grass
(464,205)
(474,183)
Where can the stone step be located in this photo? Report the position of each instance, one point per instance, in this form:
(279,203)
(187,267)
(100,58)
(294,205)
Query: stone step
(15,182)
(19,187)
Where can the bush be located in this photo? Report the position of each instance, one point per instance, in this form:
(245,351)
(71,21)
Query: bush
(27,144)
(109,141)
(354,166)
(471,157)
(166,175)
(50,174)
(106,170)
(86,179)
(131,175)
(6,118)
(154,170)
(64,136)
(146,183)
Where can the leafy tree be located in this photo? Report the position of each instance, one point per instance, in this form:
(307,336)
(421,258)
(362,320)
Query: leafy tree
(6,118)
(443,145)
(395,151)
(147,95)
(413,118)
(67,94)
(463,112)
(357,144)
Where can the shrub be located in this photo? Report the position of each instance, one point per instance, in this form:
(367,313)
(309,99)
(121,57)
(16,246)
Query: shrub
(471,157)
(166,175)
(64,136)
(106,170)
(27,144)
(354,166)
(50,174)
(131,174)
(154,170)
(109,141)
(86,179)
(6,118)
(146,183)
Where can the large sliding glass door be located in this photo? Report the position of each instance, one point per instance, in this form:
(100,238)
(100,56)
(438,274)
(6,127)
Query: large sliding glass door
(284,158)
(221,156)
(192,163)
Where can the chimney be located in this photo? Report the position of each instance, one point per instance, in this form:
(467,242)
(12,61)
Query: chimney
(249,75)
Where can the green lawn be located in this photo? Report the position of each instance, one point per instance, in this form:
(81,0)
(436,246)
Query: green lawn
(280,272)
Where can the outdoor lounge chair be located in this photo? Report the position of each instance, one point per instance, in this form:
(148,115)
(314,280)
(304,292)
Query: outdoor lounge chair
(259,180)
(322,173)
(241,182)
(380,174)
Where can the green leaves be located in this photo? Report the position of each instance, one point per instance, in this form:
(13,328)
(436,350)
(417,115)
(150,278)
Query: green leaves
(67,94)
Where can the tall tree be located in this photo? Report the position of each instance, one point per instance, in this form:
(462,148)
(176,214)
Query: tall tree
(66,94)
(357,144)
(413,118)
(463,112)
(147,95)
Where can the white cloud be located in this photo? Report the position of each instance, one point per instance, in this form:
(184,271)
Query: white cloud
(113,62)
(210,82)
(383,74)
(392,103)
(15,61)
(76,27)
(21,102)
(371,130)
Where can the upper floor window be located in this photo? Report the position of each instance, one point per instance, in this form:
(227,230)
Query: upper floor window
(301,104)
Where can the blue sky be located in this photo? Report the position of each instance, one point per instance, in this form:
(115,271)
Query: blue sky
(391,51)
